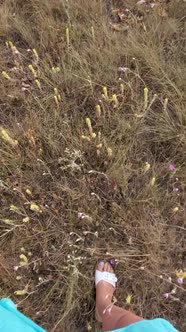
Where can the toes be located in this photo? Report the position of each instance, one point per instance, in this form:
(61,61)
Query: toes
(111,268)
(101,265)
(107,267)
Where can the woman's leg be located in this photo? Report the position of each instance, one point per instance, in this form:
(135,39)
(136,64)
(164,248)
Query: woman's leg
(111,316)
(118,318)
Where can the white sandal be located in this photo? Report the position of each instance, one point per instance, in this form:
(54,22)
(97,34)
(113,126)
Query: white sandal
(109,277)
(104,276)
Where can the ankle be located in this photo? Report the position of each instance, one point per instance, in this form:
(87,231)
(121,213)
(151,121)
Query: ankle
(102,304)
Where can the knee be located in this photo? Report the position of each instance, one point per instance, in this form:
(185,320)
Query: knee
(127,318)
(122,321)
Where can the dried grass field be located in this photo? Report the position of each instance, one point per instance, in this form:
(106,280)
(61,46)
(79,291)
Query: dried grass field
(92,157)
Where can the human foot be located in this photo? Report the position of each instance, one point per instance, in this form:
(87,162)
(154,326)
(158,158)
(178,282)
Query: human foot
(104,288)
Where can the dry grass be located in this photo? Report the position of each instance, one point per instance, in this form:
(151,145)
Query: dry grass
(133,206)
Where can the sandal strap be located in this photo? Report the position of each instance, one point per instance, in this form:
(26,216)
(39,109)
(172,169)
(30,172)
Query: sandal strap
(105,276)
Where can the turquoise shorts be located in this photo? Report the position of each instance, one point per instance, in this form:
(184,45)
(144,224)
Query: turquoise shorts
(153,325)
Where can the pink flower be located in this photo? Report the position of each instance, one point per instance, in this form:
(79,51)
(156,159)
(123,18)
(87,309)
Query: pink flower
(166,295)
(80,214)
(171,167)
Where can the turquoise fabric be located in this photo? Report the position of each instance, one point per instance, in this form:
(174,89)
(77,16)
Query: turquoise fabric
(12,320)
(153,325)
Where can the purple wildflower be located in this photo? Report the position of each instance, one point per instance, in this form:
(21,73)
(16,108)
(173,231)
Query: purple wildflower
(171,167)
(180,281)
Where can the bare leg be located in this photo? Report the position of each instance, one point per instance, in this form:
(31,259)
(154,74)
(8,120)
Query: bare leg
(117,318)
(111,316)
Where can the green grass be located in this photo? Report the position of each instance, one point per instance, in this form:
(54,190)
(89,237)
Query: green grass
(118,175)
